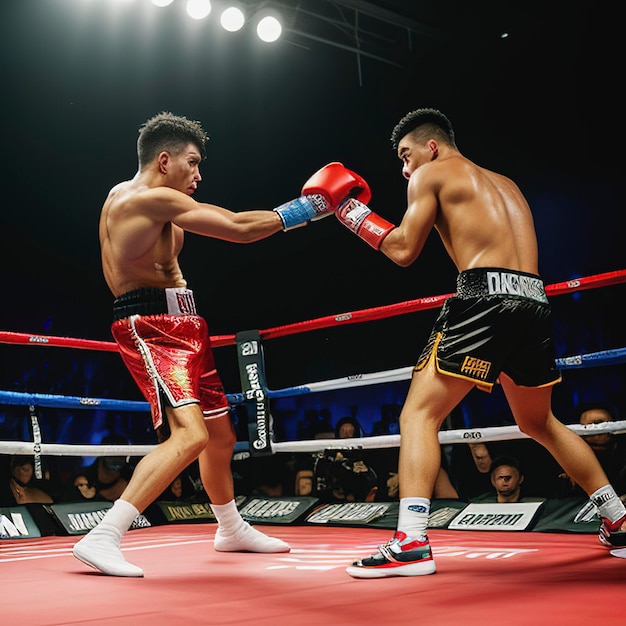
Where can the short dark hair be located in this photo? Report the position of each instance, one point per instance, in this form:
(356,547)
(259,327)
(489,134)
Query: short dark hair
(17,460)
(499,461)
(166,131)
(348,419)
(601,405)
(433,121)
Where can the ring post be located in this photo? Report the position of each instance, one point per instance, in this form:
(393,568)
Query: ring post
(254,388)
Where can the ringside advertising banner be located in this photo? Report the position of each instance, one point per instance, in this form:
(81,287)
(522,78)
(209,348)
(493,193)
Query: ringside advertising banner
(17,523)
(78,518)
(496,516)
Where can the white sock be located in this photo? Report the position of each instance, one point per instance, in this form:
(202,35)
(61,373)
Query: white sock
(234,534)
(228,517)
(120,516)
(100,547)
(608,503)
(413,517)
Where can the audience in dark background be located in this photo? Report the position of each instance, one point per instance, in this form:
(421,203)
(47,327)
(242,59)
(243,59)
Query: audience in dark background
(366,474)
(109,475)
(608,447)
(507,480)
(348,427)
(21,486)
(79,487)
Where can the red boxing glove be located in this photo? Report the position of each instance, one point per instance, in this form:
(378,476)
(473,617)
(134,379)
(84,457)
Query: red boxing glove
(336,184)
(360,219)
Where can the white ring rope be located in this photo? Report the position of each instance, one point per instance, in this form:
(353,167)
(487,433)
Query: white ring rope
(464,435)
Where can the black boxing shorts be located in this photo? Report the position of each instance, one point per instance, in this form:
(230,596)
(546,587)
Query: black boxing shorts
(497,321)
(166,347)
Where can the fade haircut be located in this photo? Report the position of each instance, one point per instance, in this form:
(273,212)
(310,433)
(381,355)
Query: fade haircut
(423,124)
(166,131)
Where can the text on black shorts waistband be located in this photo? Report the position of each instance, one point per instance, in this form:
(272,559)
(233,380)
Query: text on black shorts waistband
(154,301)
(486,281)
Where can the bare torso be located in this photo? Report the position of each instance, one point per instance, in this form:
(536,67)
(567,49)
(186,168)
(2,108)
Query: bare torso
(482,217)
(136,250)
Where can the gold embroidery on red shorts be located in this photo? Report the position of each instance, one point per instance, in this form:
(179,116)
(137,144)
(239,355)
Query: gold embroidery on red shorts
(181,377)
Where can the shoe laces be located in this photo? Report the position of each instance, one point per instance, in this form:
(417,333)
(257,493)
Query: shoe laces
(395,546)
(390,549)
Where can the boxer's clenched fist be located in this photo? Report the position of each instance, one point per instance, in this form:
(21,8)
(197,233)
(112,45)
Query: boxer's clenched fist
(322,194)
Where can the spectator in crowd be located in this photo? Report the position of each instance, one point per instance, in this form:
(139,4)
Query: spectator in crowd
(470,467)
(393,486)
(22,486)
(507,480)
(610,449)
(80,488)
(109,474)
(348,427)
(482,457)
(344,476)
(304,482)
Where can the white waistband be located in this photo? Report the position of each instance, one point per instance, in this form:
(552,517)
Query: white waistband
(180,301)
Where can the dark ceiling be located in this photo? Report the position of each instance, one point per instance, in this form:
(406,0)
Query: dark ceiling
(533,89)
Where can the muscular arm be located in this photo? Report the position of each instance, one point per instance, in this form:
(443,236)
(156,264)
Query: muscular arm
(405,243)
(142,233)
(162,204)
(136,221)
(482,218)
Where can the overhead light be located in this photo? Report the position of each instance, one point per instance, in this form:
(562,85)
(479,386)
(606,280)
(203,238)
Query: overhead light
(269,27)
(198,9)
(232,18)
(162,3)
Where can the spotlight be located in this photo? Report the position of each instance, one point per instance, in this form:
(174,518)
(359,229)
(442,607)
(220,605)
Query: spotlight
(269,27)
(198,9)
(232,19)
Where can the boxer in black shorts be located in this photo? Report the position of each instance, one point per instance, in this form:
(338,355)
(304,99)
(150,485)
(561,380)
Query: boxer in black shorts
(496,328)
(497,321)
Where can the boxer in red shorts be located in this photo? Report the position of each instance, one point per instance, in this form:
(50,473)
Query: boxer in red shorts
(164,342)
(168,354)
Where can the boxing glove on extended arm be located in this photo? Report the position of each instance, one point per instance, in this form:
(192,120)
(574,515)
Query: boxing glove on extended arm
(300,211)
(360,219)
(322,194)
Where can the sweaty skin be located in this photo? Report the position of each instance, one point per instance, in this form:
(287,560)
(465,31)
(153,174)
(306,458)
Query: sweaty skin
(482,217)
(483,221)
(143,221)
